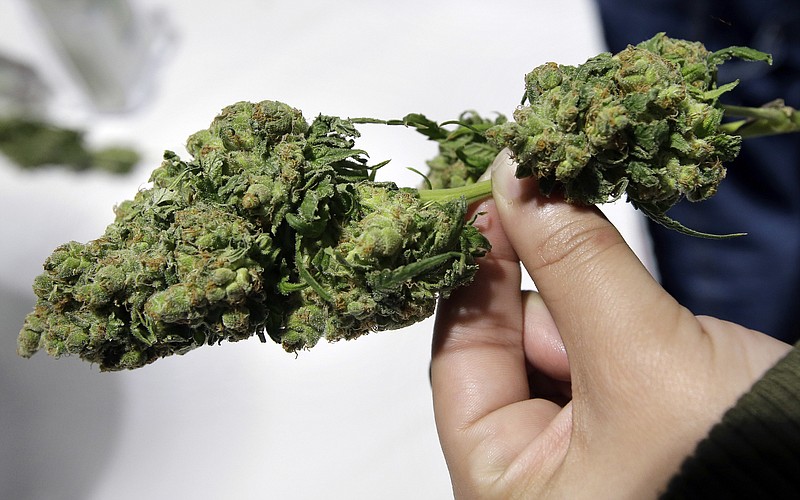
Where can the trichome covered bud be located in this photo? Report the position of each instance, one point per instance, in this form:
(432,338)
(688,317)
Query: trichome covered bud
(274,227)
(644,122)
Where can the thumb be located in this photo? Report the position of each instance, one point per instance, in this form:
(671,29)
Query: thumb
(603,300)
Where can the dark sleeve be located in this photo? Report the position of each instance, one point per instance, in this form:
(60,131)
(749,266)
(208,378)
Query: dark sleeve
(754,451)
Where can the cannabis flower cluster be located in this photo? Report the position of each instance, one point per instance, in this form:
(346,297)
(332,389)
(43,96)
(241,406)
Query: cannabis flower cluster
(645,122)
(274,227)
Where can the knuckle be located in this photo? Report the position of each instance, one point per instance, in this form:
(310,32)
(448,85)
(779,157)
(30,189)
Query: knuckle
(574,244)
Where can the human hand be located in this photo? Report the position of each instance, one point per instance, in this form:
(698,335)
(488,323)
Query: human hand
(599,385)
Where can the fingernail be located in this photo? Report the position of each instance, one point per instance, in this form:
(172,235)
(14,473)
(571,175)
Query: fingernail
(501,158)
(505,185)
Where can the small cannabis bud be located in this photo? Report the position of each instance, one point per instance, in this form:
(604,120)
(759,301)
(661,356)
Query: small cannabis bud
(645,122)
(34,143)
(464,153)
(274,227)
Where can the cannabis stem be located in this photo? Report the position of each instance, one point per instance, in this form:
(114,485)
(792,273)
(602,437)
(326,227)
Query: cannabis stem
(771,119)
(470,192)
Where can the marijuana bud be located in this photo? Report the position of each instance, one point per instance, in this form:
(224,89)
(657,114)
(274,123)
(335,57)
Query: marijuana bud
(274,227)
(645,122)
(34,143)
(464,153)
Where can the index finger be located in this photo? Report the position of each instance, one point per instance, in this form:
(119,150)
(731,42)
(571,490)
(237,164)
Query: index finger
(479,375)
(478,362)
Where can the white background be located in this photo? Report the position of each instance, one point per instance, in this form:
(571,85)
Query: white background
(244,421)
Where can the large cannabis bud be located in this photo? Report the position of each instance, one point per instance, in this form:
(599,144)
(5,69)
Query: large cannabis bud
(645,122)
(274,227)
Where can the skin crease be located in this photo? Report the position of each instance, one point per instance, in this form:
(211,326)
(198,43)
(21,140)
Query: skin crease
(596,387)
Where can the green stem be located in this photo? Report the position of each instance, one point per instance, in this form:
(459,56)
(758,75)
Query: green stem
(472,192)
(771,119)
